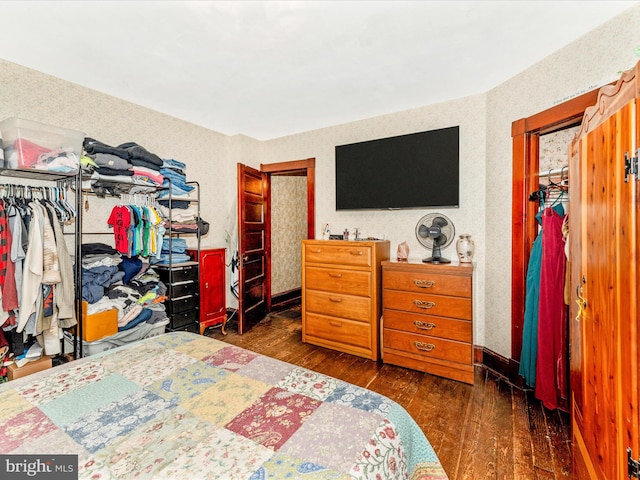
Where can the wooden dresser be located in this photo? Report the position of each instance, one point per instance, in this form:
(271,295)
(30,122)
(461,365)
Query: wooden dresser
(428,318)
(341,294)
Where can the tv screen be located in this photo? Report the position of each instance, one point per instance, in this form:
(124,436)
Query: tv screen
(418,170)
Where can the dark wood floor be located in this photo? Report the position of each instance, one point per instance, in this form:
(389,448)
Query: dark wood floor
(488,430)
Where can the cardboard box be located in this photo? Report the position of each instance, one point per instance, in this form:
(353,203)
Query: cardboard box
(98,325)
(13,371)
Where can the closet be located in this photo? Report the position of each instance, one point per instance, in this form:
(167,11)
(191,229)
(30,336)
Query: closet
(545,352)
(605,285)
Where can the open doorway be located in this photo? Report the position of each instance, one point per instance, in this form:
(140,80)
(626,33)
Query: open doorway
(288,218)
(291,210)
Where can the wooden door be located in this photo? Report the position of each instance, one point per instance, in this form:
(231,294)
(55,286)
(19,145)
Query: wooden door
(604,280)
(253,247)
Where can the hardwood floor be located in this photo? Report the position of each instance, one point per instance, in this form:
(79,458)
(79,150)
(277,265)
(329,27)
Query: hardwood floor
(488,430)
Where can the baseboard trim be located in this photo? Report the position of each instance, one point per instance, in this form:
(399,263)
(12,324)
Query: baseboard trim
(505,367)
(285,300)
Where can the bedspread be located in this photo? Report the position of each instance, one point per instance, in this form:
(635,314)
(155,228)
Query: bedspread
(185,406)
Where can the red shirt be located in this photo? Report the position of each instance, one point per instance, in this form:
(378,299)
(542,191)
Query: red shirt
(120,220)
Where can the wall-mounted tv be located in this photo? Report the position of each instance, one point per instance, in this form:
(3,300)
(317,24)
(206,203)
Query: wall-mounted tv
(418,170)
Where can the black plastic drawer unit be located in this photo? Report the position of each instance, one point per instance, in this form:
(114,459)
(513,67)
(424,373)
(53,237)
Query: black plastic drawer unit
(176,274)
(182,304)
(184,289)
(179,320)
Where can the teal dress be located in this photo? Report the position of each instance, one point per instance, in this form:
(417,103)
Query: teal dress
(529,353)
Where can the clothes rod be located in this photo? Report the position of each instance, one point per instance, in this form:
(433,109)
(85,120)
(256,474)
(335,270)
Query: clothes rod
(564,171)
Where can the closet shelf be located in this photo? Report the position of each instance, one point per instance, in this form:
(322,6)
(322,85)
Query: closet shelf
(36,174)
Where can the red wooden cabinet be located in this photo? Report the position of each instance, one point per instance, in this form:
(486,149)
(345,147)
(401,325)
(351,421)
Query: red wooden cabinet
(213,304)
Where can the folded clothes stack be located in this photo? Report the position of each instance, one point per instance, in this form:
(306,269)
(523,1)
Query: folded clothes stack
(128,284)
(174,250)
(125,163)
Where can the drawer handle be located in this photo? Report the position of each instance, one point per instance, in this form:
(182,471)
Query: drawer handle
(357,252)
(335,323)
(423,304)
(335,299)
(335,275)
(425,347)
(424,325)
(424,283)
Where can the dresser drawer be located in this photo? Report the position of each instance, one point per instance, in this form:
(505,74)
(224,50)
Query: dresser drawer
(353,282)
(338,305)
(179,320)
(424,282)
(438,305)
(428,347)
(182,304)
(340,330)
(183,273)
(336,254)
(441,327)
(183,289)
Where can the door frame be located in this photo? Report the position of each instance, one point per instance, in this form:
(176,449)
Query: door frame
(525,135)
(306,166)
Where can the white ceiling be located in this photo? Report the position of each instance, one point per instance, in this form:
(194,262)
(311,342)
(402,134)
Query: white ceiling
(269,69)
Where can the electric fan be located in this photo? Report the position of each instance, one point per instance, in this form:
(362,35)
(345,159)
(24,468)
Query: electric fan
(435,231)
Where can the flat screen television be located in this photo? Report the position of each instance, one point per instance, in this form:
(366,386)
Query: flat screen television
(418,170)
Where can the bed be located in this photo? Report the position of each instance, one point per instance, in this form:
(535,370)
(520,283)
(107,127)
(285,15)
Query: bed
(186,406)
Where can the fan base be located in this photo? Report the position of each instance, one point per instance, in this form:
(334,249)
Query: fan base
(436,260)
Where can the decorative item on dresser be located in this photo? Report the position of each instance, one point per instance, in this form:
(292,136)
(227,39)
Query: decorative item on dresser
(341,294)
(428,318)
(213,305)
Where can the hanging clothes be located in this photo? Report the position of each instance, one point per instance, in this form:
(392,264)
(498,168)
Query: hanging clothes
(529,353)
(137,227)
(38,293)
(552,312)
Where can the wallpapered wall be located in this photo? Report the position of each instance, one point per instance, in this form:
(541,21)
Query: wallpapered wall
(288,229)
(485,153)
(590,62)
(35,96)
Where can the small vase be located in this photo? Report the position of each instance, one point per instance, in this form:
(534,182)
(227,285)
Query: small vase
(465,248)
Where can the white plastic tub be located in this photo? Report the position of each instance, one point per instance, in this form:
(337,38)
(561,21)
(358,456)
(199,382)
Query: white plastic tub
(144,330)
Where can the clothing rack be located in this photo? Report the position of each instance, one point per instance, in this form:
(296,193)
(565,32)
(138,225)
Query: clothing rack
(142,199)
(69,212)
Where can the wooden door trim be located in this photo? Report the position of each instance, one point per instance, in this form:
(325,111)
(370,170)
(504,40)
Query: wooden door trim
(525,134)
(307,166)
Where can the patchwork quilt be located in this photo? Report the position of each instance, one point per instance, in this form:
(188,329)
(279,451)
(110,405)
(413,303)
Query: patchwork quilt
(185,406)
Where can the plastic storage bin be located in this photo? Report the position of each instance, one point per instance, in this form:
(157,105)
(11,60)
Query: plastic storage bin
(34,145)
(98,325)
(144,330)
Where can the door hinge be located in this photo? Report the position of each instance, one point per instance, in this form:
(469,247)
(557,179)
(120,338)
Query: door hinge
(630,165)
(633,466)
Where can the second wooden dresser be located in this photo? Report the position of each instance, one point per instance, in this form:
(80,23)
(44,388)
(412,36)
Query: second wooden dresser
(427,318)
(341,294)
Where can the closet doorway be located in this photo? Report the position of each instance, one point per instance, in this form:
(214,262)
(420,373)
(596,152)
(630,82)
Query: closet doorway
(289,217)
(526,134)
